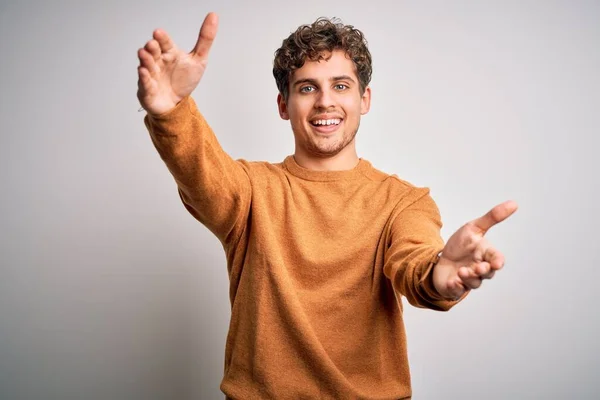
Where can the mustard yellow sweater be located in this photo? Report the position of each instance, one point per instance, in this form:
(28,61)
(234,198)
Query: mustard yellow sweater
(317,262)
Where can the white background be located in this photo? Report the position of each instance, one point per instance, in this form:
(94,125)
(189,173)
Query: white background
(110,290)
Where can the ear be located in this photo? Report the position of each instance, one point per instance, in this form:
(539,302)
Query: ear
(282,107)
(365,101)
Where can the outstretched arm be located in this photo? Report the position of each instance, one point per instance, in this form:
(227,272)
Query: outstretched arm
(413,246)
(214,188)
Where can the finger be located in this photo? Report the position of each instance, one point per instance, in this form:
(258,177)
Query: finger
(469,278)
(208,31)
(495,215)
(494,257)
(153,48)
(473,283)
(484,270)
(456,288)
(147,61)
(489,275)
(146,85)
(144,78)
(163,39)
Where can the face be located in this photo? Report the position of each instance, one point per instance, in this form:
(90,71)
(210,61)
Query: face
(324,106)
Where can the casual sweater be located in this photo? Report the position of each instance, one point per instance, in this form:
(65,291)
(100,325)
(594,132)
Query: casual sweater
(317,260)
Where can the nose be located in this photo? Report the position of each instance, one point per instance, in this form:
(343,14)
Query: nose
(325,99)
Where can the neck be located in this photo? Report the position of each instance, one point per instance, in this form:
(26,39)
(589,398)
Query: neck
(345,160)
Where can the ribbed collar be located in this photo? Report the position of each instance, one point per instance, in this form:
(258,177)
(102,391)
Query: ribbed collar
(361,170)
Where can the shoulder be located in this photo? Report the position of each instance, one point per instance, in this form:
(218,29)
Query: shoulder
(392,180)
(405,192)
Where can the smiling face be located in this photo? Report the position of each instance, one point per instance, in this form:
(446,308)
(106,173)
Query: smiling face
(324,106)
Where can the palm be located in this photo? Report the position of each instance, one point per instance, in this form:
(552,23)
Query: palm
(462,245)
(168,74)
(178,77)
(468,257)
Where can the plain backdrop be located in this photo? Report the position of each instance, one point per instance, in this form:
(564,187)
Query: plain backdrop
(109,289)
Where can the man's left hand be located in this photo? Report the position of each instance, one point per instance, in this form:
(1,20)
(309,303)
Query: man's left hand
(468,258)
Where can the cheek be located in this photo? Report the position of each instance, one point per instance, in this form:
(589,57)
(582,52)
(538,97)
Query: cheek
(297,118)
(298,112)
(351,103)
(352,109)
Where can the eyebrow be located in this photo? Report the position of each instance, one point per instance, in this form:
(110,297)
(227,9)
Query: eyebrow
(332,79)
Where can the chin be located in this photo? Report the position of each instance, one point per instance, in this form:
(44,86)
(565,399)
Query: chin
(327,150)
(336,146)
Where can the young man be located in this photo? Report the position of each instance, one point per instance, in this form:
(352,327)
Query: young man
(320,247)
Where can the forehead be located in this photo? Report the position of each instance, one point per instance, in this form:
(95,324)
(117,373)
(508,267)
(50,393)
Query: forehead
(336,65)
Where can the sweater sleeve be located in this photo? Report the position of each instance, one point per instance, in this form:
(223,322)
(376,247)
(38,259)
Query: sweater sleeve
(413,248)
(213,187)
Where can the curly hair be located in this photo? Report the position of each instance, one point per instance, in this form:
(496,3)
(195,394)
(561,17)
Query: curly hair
(315,41)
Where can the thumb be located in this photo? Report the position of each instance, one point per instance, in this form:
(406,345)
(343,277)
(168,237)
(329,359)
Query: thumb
(495,215)
(208,31)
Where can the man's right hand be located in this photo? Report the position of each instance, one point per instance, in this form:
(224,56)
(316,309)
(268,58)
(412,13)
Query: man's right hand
(167,74)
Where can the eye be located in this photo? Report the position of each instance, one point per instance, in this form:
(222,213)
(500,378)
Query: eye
(341,86)
(307,89)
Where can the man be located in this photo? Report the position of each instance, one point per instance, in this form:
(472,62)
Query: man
(321,247)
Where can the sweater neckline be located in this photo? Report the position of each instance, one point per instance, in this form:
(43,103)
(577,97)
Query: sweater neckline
(360,170)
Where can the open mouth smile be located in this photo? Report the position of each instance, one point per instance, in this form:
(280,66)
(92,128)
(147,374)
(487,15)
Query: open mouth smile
(326,125)
(326,122)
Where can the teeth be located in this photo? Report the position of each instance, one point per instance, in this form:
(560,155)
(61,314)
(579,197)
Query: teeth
(335,121)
